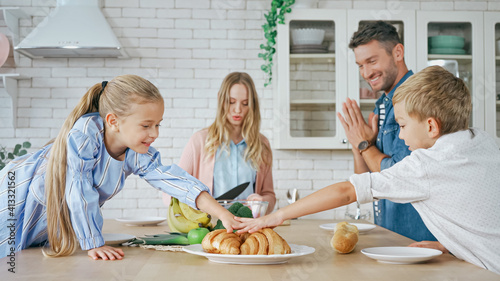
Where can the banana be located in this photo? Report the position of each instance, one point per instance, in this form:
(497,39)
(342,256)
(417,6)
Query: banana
(179,222)
(195,215)
(210,226)
(171,218)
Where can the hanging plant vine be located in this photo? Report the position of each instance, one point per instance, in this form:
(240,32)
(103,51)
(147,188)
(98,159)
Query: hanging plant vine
(274,17)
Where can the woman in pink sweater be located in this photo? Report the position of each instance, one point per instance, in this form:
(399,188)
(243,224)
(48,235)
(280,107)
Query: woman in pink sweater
(232,151)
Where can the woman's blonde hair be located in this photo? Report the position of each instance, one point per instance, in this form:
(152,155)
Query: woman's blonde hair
(219,132)
(116,97)
(435,92)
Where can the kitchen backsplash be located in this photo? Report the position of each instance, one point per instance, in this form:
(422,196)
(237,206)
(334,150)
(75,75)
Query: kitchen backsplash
(185,48)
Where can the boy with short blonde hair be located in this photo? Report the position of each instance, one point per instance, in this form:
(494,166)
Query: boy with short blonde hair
(451,178)
(437,93)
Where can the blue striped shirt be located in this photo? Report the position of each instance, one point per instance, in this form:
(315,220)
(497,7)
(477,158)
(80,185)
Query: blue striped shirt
(92,178)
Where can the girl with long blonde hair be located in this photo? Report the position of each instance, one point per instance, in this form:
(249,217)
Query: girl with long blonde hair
(60,188)
(232,150)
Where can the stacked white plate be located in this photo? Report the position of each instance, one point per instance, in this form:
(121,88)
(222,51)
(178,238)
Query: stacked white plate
(308,49)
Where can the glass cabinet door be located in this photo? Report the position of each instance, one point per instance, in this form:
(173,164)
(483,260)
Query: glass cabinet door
(454,40)
(311,80)
(492,73)
(404,24)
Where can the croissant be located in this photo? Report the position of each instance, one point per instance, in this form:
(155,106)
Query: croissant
(221,242)
(264,242)
(345,237)
(255,244)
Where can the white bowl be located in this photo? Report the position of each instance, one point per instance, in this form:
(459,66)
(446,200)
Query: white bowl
(308,36)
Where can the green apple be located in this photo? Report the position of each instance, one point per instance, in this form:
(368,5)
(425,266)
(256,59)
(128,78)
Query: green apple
(195,236)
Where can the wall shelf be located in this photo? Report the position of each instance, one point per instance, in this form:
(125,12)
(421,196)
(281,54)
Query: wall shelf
(9,86)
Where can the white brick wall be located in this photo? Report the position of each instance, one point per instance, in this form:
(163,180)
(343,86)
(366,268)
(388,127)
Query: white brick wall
(185,47)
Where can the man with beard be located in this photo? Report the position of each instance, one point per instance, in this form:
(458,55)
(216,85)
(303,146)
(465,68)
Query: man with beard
(376,146)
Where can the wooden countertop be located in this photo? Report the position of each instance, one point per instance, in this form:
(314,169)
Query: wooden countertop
(324,264)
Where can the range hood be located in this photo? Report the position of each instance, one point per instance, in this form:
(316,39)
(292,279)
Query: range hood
(75,29)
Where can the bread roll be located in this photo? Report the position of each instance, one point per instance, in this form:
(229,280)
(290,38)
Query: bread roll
(345,237)
(221,242)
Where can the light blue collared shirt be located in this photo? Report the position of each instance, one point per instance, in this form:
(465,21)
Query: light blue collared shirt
(231,169)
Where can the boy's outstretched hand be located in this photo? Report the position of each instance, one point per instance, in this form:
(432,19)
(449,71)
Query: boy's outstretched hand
(253,225)
(332,196)
(229,221)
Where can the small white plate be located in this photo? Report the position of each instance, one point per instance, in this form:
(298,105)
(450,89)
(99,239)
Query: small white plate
(297,251)
(141,221)
(362,227)
(116,238)
(400,255)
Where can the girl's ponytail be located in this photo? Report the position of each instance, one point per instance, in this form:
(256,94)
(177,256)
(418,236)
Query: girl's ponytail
(62,239)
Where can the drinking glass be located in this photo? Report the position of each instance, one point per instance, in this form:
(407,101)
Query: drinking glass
(355,212)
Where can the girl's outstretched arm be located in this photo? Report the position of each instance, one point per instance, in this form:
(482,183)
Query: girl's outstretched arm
(327,198)
(208,204)
(106,253)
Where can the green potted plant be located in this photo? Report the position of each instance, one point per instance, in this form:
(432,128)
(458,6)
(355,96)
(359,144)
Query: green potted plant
(274,17)
(6,156)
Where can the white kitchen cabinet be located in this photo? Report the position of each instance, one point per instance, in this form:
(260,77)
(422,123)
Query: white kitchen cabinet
(312,87)
(492,73)
(309,87)
(302,114)
(471,64)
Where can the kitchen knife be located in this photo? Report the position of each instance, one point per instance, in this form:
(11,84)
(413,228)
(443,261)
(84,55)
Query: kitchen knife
(234,192)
